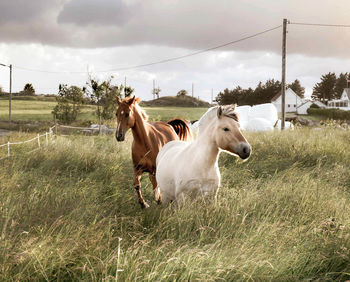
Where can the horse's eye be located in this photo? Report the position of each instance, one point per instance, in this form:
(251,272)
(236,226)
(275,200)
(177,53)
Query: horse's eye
(127,115)
(226,129)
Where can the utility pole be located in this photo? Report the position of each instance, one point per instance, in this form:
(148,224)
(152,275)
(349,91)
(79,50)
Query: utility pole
(192,90)
(10,90)
(284,37)
(154,92)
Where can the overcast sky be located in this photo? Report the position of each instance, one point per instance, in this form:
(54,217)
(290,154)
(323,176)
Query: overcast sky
(71,37)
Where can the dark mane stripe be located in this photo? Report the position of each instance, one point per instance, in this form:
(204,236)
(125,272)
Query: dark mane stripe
(181,128)
(229,111)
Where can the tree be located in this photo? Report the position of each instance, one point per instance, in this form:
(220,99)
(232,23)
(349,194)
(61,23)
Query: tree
(340,84)
(263,93)
(1,90)
(104,95)
(325,89)
(182,93)
(237,96)
(28,89)
(297,88)
(128,91)
(69,101)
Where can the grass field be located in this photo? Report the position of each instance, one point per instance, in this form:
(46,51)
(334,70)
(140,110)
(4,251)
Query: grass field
(29,110)
(37,110)
(284,215)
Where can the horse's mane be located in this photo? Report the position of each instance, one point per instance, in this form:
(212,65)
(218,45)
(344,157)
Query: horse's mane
(227,110)
(141,111)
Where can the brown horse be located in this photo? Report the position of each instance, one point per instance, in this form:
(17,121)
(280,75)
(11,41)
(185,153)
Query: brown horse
(149,138)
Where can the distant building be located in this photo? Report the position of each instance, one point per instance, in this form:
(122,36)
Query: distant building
(302,109)
(292,102)
(343,103)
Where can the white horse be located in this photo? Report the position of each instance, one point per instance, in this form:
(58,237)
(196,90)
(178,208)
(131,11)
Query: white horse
(192,168)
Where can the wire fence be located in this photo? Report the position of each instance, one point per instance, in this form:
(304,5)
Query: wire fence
(49,137)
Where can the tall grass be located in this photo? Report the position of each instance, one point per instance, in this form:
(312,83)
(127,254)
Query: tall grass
(282,215)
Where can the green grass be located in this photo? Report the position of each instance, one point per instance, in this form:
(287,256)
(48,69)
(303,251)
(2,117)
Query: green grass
(63,208)
(40,111)
(36,111)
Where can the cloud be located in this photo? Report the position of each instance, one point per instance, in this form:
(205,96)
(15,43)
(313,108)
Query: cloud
(217,70)
(92,12)
(23,11)
(191,24)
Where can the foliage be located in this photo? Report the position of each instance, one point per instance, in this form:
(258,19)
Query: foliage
(104,95)
(297,88)
(128,90)
(330,113)
(69,101)
(330,86)
(182,93)
(28,89)
(315,106)
(263,93)
(340,84)
(283,215)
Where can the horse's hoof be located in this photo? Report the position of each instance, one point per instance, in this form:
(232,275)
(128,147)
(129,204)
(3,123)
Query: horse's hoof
(144,205)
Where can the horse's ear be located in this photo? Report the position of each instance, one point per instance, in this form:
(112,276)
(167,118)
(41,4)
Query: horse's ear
(131,101)
(119,101)
(219,112)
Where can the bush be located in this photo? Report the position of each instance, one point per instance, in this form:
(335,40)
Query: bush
(69,100)
(104,95)
(330,113)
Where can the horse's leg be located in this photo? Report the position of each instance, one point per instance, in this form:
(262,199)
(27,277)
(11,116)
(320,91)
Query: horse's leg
(137,185)
(156,190)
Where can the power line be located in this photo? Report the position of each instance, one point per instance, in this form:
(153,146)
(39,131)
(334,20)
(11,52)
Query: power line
(48,71)
(194,53)
(161,61)
(317,24)
(183,56)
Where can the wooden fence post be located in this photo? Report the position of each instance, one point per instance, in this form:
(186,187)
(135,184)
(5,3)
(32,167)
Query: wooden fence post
(38,140)
(8,149)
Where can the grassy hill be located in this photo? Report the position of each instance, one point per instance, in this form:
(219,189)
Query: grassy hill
(174,101)
(284,215)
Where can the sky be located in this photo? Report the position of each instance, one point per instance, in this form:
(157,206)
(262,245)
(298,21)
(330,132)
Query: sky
(49,42)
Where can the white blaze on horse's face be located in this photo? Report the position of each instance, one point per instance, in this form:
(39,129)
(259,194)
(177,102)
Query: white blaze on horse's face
(229,137)
(125,120)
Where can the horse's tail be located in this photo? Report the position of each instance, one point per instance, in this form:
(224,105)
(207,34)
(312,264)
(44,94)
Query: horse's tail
(181,128)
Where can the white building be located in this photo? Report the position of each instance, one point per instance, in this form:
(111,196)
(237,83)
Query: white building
(293,101)
(302,109)
(343,103)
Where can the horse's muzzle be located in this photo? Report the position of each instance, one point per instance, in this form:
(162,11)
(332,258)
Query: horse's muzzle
(244,150)
(120,137)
